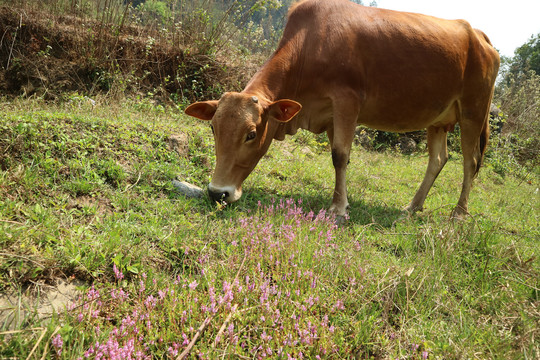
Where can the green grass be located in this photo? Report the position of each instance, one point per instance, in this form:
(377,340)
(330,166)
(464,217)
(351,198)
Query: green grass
(84,189)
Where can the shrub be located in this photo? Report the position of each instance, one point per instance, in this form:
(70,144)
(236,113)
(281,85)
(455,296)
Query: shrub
(155,48)
(520,137)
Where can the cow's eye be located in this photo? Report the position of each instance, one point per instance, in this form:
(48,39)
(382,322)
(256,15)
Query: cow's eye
(251,135)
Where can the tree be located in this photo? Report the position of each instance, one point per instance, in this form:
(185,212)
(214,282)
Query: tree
(526,58)
(518,95)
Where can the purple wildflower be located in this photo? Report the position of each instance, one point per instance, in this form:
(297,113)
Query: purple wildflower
(265,337)
(186,340)
(142,286)
(150,302)
(193,285)
(92,293)
(117,273)
(58,343)
(162,294)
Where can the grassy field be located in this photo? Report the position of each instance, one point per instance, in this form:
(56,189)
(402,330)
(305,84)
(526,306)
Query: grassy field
(86,197)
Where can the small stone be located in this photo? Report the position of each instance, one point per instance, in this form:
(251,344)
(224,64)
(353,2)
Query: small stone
(407,145)
(307,151)
(180,144)
(187,189)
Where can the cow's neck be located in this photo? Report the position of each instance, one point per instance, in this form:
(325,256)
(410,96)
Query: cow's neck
(279,78)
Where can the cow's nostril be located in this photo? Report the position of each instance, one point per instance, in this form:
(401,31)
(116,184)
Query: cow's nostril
(218,195)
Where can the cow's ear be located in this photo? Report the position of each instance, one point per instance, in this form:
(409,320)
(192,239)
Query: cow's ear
(284,110)
(203,110)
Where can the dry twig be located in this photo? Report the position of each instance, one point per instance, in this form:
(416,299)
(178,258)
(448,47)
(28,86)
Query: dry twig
(207,321)
(47,344)
(195,338)
(37,344)
(222,329)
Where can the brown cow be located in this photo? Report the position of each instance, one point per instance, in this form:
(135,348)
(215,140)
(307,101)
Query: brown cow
(343,64)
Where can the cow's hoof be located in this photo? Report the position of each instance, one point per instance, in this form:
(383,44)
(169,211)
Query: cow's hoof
(411,209)
(340,215)
(341,219)
(339,210)
(405,214)
(459,213)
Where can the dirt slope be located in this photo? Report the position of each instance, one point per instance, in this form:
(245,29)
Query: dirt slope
(45,55)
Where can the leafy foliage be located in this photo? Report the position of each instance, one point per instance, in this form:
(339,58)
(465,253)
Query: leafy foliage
(518,95)
(164,50)
(526,59)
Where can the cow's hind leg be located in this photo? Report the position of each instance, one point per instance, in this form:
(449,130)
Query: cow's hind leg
(438,155)
(474,138)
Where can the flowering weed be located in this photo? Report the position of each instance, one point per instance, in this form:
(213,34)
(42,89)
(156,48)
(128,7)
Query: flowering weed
(274,297)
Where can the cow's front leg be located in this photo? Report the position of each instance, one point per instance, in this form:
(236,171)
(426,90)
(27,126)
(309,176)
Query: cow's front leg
(341,136)
(340,160)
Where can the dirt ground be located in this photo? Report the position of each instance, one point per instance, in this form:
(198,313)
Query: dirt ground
(49,56)
(41,301)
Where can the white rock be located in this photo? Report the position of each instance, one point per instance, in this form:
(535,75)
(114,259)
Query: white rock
(188,189)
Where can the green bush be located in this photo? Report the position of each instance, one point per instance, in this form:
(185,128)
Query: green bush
(520,136)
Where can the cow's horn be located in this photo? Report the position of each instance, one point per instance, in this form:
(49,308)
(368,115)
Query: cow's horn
(255,99)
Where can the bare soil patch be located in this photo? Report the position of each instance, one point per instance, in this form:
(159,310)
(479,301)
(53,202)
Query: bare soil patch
(41,300)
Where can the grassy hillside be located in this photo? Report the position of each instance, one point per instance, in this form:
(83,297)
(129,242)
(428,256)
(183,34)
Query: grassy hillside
(86,198)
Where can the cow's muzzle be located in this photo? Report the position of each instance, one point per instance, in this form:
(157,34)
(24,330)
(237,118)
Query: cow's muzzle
(218,196)
(228,194)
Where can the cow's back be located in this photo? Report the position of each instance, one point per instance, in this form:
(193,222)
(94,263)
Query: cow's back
(398,65)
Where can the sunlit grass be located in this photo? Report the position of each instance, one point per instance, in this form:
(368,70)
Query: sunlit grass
(86,194)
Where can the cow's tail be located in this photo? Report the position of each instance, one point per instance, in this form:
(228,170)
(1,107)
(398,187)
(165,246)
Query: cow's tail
(484,137)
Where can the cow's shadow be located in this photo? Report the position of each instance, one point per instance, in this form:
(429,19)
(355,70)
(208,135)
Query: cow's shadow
(363,213)
(360,212)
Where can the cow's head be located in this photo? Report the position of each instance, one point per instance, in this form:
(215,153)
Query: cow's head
(243,128)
